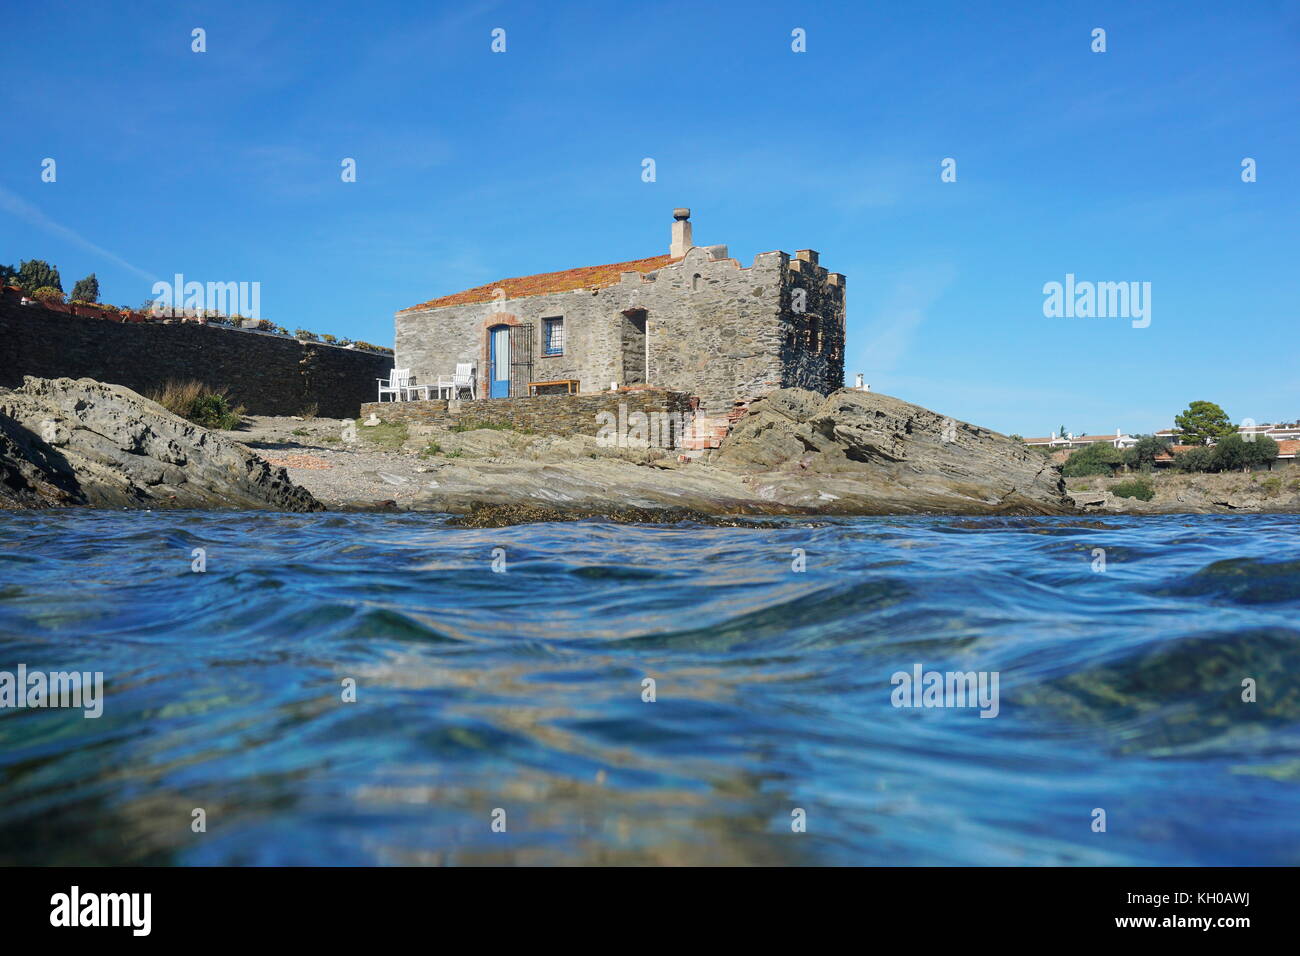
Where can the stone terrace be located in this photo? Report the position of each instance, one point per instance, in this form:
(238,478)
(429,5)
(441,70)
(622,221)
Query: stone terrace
(542,414)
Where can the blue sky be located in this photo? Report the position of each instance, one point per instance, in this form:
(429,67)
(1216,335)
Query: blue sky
(473,166)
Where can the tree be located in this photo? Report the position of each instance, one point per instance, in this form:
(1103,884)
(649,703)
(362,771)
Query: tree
(1099,458)
(37,274)
(1200,458)
(8,274)
(86,290)
(1263,451)
(1236,452)
(1203,422)
(1143,453)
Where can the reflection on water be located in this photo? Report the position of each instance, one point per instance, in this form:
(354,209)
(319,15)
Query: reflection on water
(522,691)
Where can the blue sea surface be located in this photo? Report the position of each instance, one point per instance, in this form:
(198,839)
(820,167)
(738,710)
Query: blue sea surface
(516,696)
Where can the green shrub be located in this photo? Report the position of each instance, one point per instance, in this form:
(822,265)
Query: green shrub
(195,402)
(47,294)
(1198,459)
(213,411)
(1142,455)
(1099,458)
(1140,488)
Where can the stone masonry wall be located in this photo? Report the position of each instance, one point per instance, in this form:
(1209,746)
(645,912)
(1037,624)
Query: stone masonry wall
(812,347)
(714,329)
(269,375)
(543,414)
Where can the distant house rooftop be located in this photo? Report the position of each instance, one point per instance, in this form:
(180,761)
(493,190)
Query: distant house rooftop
(568,280)
(1119,440)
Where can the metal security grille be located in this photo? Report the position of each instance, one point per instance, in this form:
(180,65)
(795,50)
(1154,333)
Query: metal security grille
(521,358)
(553,330)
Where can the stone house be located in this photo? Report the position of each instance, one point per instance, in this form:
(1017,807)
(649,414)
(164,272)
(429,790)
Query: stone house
(692,321)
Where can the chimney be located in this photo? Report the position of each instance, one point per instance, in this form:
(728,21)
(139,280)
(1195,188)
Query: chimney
(681,233)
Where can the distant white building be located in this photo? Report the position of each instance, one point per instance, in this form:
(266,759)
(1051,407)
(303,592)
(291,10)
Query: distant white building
(1071,441)
(1287,437)
(1279,433)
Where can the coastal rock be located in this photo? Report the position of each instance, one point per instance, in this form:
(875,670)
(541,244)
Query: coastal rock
(82,442)
(794,452)
(866,453)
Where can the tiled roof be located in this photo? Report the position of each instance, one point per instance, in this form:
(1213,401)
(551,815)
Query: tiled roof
(587,277)
(1286,448)
(1171,450)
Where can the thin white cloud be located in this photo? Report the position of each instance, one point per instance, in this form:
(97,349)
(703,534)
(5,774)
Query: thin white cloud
(889,333)
(22,209)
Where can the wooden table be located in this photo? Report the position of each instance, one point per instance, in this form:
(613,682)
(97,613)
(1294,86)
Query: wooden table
(570,384)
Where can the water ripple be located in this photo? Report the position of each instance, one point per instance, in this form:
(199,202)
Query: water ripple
(769,652)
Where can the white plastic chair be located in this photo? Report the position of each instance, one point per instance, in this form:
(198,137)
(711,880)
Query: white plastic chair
(464,378)
(399,380)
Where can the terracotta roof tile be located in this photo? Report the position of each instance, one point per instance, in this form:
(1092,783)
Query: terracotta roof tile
(586,277)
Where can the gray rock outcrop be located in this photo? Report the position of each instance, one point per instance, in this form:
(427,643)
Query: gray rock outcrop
(81,442)
(868,453)
(795,452)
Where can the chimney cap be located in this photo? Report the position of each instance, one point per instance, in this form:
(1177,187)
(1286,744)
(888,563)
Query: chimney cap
(681,213)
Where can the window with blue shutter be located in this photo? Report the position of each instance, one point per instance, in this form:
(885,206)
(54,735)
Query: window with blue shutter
(553,336)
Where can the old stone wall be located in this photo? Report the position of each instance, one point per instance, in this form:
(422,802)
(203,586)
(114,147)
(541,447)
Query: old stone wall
(269,375)
(812,339)
(543,414)
(714,330)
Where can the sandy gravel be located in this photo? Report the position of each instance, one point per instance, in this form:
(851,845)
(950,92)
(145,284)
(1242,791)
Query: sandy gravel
(340,473)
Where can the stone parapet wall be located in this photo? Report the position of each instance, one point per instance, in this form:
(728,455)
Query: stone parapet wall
(543,414)
(268,375)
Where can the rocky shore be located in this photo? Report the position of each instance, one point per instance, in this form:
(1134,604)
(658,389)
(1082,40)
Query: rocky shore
(795,453)
(66,442)
(1257,492)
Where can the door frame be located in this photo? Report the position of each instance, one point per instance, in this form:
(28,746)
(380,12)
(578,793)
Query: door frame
(495,379)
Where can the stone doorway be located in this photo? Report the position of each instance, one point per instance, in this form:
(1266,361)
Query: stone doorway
(635,347)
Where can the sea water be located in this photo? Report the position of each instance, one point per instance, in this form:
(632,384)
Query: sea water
(387,689)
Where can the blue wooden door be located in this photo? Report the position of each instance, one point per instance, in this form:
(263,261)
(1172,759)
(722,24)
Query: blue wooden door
(499,354)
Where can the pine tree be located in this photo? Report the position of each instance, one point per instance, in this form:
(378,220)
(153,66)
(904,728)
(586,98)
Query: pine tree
(86,290)
(37,274)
